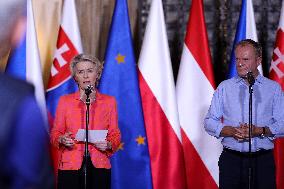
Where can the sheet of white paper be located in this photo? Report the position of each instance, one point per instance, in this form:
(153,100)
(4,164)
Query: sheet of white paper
(94,135)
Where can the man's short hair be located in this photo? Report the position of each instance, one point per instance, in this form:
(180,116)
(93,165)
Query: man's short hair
(257,47)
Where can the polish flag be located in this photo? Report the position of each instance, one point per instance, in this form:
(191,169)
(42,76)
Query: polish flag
(276,73)
(195,88)
(159,104)
(60,80)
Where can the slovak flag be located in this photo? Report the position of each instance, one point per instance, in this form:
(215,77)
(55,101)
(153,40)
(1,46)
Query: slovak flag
(246,29)
(276,73)
(68,45)
(24,61)
(60,80)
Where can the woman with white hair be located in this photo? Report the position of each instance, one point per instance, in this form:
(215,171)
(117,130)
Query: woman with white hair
(70,117)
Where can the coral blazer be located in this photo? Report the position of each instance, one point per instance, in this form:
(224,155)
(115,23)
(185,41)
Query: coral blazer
(71,116)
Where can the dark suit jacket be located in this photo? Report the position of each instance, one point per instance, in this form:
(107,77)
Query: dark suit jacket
(14,94)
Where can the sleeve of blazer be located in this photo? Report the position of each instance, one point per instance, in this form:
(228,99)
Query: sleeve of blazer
(113,131)
(58,128)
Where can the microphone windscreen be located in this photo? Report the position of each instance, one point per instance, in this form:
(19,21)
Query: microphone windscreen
(250,78)
(89,89)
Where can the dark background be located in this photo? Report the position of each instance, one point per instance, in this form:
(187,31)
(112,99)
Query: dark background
(221,20)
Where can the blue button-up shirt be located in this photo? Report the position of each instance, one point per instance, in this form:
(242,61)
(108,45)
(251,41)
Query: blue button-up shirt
(230,106)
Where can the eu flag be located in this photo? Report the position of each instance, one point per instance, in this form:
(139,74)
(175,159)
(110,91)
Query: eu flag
(131,163)
(246,29)
(240,35)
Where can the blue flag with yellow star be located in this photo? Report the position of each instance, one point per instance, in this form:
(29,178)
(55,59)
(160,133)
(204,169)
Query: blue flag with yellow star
(246,29)
(131,163)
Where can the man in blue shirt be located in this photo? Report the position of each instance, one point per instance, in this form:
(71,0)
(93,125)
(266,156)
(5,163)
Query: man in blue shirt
(228,119)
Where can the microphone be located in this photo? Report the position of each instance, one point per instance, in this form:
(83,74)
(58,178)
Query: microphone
(250,78)
(89,89)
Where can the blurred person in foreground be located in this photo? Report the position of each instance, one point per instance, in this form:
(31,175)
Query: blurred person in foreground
(24,154)
(228,119)
(70,117)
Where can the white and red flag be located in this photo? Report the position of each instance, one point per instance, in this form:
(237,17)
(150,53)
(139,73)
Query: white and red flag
(24,61)
(195,88)
(68,45)
(276,73)
(159,104)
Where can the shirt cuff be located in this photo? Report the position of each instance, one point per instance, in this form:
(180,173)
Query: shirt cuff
(273,129)
(218,130)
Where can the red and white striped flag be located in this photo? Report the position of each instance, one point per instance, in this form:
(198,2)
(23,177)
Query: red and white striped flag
(68,45)
(159,104)
(195,88)
(276,73)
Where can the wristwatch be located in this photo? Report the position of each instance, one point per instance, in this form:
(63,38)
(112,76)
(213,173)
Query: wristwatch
(262,135)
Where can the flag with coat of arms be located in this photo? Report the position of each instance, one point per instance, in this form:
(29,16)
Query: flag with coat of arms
(60,80)
(276,73)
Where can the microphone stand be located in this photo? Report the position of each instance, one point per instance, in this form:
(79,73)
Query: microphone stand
(251,81)
(250,136)
(86,155)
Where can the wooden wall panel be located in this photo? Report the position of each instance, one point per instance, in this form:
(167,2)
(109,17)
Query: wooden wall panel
(94,19)
(47,15)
